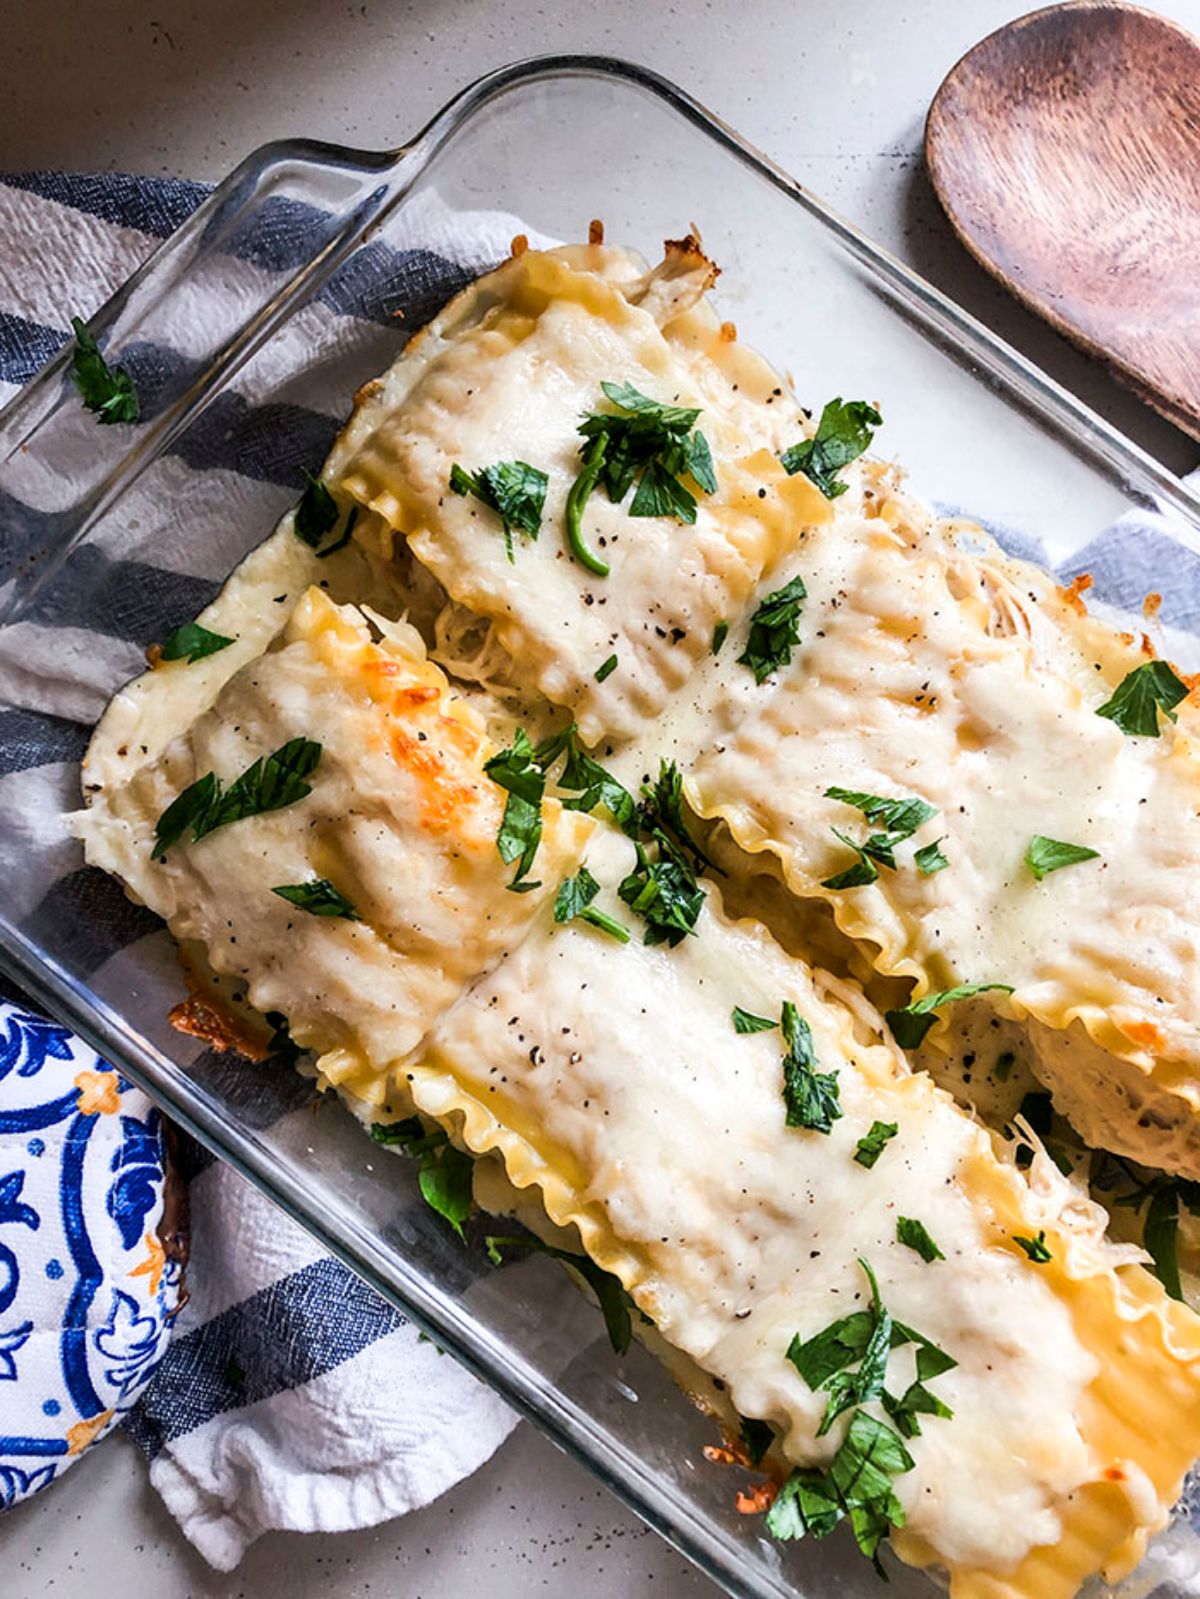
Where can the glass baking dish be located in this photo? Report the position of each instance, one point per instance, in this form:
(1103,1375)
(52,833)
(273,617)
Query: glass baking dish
(284,285)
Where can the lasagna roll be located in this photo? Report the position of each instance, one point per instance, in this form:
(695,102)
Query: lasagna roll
(510,369)
(1068,1402)
(1055,851)
(326,831)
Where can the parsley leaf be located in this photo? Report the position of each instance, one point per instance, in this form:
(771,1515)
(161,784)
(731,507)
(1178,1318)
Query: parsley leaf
(910,1025)
(272,782)
(863,871)
(316,513)
(843,433)
(444,1174)
(318,898)
(590,785)
(930,859)
(757,1437)
(574,898)
(1161,1226)
(858,1482)
(515,490)
(774,630)
(606,669)
(867,1337)
(1140,695)
(191,642)
(1160,1233)
(720,634)
(613,1300)
(871,1145)
(807,1503)
(661,809)
(674,418)
(862,1470)
(901,817)
(660,494)
(913,1233)
(812,1098)
(664,893)
(518,772)
(107,391)
(745,1021)
(646,440)
(1046,855)
(1035,1248)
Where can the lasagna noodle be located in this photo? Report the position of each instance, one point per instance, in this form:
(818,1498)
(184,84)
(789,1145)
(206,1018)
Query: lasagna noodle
(509,369)
(1047,1472)
(968,681)
(401,819)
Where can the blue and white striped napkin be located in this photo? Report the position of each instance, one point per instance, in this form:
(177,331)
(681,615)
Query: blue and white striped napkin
(291,1396)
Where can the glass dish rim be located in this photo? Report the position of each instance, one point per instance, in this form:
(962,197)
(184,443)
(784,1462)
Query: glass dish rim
(104,1028)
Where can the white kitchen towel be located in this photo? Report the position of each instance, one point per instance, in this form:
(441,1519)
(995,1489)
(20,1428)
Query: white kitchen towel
(291,1396)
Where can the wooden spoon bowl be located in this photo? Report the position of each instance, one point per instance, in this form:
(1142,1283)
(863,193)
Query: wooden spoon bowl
(1065,149)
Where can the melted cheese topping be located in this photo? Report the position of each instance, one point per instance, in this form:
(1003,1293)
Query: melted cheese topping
(608,1079)
(911,680)
(511,369)
(599,1071)
(401,819)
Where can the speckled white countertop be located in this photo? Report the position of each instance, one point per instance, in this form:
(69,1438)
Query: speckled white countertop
(837,95)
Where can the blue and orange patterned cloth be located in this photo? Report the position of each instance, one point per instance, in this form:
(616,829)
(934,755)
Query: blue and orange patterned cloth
(87,1292)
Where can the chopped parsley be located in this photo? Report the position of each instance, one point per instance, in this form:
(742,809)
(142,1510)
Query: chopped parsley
(318,898)
(107,391)
(589,785)
(191,642)
(316,513)
(1046,855)
(745,1021)
(858,1481)
(930,859)
(900,818)
(845,430)
(720,634)
(646,440)
(523,778)
(811,1098)
(910,1024)
(272,782)
(574,899)
(1140,695)
(444,1173)
(872,1144)
(774,630)
(664,893)
(515,490)
(661,810)
(606,669)
(1035,1248)
(914,1234)
(1160,1228)
(611,1296)
(757,1437)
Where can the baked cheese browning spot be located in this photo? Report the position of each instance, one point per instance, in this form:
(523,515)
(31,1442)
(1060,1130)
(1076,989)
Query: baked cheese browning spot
(399,821)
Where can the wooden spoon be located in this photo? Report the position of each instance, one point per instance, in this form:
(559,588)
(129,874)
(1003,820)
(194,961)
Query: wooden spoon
(1065,149)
